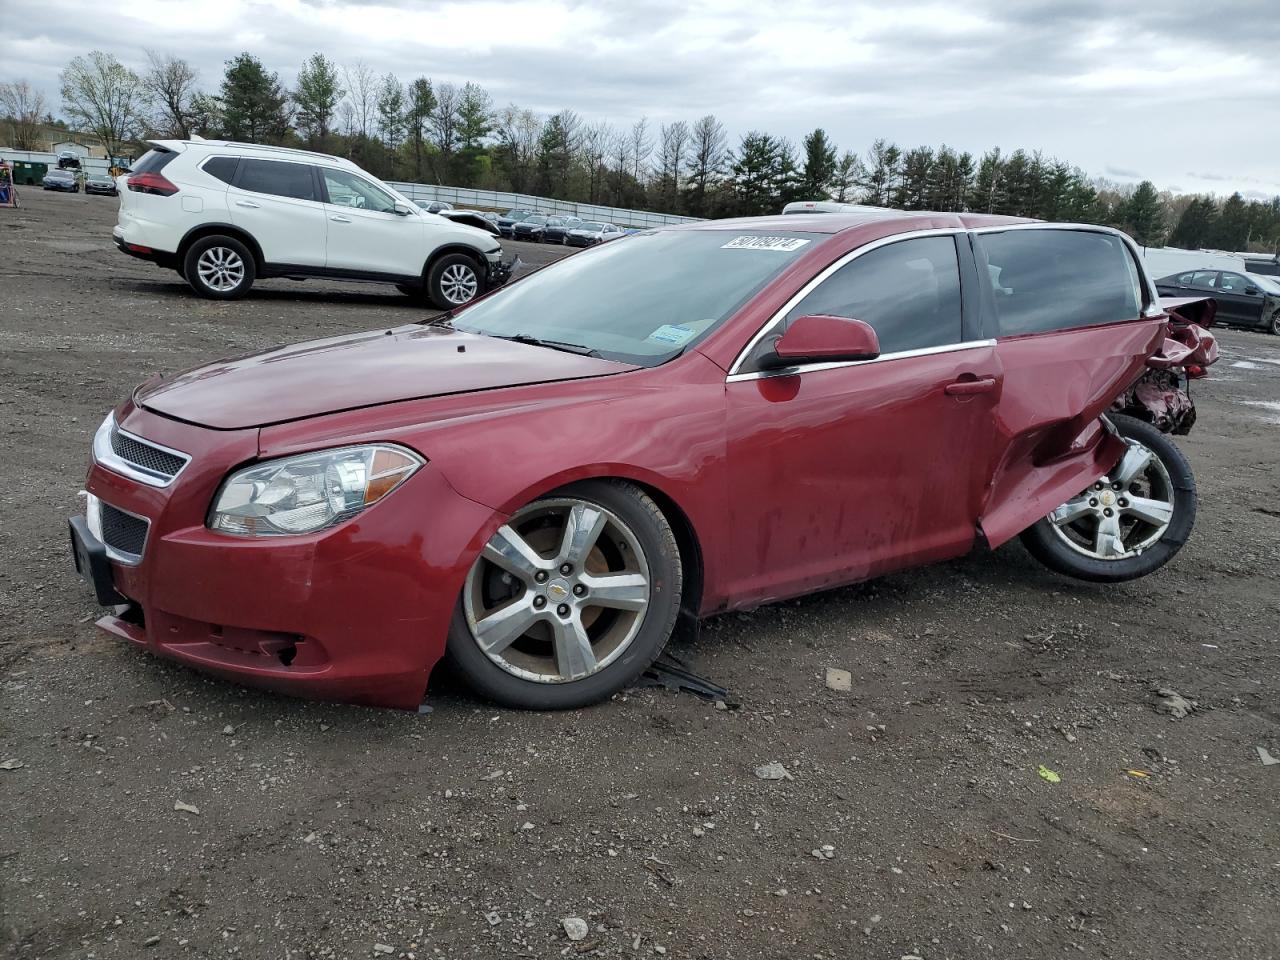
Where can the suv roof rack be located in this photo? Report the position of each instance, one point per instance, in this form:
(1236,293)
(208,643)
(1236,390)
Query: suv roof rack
(263,146)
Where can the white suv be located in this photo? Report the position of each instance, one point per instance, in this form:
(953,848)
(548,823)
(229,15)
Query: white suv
(223,214)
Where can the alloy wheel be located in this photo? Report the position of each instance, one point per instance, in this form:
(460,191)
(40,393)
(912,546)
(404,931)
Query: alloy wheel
(1123,513)
(559,592)
(458,283)
(220,269)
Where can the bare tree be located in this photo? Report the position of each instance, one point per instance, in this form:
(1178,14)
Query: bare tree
(619,152)
(362,92)
(593,147)
(23,107)
(444,124)
(518,132)
(641,146)
(673,144)
(706,161)
(170,84)
(104,97)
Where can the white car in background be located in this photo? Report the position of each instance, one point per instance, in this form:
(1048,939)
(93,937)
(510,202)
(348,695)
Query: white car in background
(224,214)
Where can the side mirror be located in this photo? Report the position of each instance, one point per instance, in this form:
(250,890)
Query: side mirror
(1251,291)
(403,209)
(823,339)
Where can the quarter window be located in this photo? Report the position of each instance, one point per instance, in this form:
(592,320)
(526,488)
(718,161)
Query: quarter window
(277,178)
(348,190)
(1047,280)
(909,291)
(223,168)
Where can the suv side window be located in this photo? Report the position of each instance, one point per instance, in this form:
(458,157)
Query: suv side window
(909,291)
(277,178)
(348,190)
(1049,279)
(222,168)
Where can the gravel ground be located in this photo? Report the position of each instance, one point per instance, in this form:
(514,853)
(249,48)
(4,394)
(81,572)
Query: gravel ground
(912,820)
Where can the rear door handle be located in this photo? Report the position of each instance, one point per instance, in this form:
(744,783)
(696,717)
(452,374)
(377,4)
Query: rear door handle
(340,219)
(248,203)
(967,388)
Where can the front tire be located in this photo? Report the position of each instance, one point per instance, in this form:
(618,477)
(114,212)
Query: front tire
(571,599)
(452,281)
(219,268)
(1274,325)
(1129,523)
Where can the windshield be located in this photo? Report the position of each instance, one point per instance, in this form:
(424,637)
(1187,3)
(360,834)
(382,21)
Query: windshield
(534,221)
(643,299)
(1269,284)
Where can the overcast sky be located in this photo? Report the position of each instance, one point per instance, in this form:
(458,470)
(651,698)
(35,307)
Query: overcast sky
(1183,93)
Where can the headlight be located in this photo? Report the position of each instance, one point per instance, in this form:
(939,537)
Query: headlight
(311,491)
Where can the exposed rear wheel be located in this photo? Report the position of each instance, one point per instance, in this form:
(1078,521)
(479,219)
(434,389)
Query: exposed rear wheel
(220,268)
(1130,522)
(1274,325)
(570,600)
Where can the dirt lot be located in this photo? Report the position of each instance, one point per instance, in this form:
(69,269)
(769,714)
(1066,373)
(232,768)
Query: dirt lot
(331,831)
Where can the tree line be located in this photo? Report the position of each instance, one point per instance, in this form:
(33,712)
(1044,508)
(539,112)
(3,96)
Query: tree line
(436,131)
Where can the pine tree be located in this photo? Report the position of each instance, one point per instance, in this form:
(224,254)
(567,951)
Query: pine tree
(819,166)
(1144,215)
(421,104)
(254,104)
(391,119)
(316,98)
(1196,225)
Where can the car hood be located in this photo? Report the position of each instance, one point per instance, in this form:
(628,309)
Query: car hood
(361,370)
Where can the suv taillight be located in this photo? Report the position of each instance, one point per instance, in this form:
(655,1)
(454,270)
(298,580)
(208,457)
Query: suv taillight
(151,183)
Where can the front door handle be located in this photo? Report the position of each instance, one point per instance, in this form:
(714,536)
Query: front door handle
(967,388)
(340,219)
(249,203)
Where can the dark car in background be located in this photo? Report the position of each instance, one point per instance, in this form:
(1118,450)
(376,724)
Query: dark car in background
(1244,299)
(100,184)
(530,228)
(558,228)
(591,232)
(508,220)
(61,180)
(68,161)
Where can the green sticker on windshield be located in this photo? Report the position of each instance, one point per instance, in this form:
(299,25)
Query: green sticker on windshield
(674,335)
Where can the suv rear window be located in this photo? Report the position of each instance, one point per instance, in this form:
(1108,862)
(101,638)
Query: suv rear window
(153,161)
(223,168)
(277,178)
(1048,279)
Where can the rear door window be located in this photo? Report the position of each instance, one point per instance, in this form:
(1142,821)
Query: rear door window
(276,178)
(1045,280)
(1203,279)
(909,291)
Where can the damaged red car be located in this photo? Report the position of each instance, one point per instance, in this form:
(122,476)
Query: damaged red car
(691,420)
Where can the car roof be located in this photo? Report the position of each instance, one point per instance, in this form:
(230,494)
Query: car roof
(832,223)
(254,150)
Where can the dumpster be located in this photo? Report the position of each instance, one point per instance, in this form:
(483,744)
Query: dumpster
(29,173)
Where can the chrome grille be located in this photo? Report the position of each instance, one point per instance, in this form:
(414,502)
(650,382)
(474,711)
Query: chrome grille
(146,456)
(123,532)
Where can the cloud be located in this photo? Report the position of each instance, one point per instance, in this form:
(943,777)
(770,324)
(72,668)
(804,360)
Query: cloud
(1087,81)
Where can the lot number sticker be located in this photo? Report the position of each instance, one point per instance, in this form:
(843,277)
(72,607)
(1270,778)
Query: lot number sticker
(669,333)
(783,244)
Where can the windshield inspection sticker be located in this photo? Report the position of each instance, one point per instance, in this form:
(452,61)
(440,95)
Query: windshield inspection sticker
(667,333)
(784,244)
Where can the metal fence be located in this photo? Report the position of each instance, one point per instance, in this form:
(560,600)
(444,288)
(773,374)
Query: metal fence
(87,164)
(497,200)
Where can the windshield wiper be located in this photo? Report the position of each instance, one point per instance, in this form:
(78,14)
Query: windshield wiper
(577,348)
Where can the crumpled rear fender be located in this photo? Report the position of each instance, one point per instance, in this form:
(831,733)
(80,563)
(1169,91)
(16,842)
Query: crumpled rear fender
(1049,438)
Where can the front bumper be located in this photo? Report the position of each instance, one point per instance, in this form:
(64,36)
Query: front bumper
(358,613)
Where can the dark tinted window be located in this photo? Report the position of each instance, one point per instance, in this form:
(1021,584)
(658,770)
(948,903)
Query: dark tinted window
(908,291)
(1056,279)
(224,168)
(153,161)
(1234,283)
(277,178)
(1203,279)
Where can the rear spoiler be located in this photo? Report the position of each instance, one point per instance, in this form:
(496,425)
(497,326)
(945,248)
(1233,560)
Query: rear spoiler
(1197,310)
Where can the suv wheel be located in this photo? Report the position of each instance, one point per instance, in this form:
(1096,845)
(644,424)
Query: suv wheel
(220,268)
(452,281)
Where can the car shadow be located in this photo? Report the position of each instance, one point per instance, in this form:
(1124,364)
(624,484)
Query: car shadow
(395,299)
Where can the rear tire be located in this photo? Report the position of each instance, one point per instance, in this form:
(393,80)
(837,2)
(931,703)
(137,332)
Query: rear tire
(1274,326)
(1129,524)
(575,596)
(219,268)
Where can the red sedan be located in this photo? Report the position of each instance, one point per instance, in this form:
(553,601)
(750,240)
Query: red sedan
(691,420)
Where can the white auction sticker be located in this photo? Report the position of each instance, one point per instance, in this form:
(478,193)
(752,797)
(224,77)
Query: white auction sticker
(784,244)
